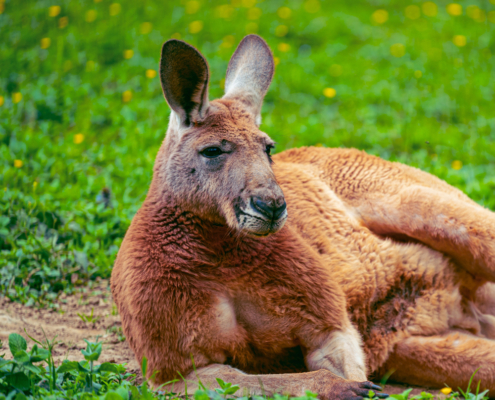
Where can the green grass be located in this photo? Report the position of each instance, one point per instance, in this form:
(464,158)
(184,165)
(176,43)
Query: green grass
(404,91)
(33,374)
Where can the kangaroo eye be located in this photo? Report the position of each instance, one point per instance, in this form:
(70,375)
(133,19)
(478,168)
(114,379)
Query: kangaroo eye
(269,148)
(211,152)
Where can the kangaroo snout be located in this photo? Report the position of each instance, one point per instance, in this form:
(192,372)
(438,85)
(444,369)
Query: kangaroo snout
(262,213)
(270,208)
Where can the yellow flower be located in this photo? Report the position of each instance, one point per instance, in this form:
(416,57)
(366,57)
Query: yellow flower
(90,66)
(53,11)
(45,43)
(63,22)
(481,16)
(176,36)
(283,47)
(248,3)
(281,30)
(146,28)
(476,13)
(115,8)
(335,70)
(398,50)
(195,26)
(225,11)
(16,97)
(446,390)
(2,100)
(127,96)
(380,16)
(128,54)
(430,9)
(78,138)
(35,184)
(329,92)
(459,40)
(150,73)
(18,163)
(413,12)
(90,15)
(312,6)
(473,11)
(228,41)
(457,165)
(491,17)
(254,13)
(276,60)
(284,12)
(192,7)
(454,9)
(2,8)
(418,74)
(252,27)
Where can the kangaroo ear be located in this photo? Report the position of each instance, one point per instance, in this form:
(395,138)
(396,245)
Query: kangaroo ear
(184,77)
(249,74)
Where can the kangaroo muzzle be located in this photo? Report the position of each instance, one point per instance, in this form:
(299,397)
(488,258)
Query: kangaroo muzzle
(262,215)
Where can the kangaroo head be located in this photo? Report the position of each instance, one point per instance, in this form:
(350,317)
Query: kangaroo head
(215,161)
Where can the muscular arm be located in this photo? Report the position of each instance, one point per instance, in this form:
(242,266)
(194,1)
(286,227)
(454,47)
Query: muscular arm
(328,385)
(394,199)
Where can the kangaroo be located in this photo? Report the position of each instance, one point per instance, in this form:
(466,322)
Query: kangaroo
(311,269)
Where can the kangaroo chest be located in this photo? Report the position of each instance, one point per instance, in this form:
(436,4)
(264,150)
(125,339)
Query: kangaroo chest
(264,343)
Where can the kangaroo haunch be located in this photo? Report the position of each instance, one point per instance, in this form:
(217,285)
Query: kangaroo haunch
(309,270)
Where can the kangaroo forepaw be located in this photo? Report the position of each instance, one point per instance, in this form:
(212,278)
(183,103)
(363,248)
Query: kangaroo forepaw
(364,390)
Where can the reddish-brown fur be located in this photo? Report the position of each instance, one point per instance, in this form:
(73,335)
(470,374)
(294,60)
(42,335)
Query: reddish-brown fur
(203,273)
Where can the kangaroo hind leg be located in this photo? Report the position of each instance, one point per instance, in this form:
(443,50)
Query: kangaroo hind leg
(462,229)
(434,361)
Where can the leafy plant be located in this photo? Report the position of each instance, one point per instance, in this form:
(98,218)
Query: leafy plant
(226,388)
(117,330)
(25,375)
(90,318)
(474,396)
(20,373)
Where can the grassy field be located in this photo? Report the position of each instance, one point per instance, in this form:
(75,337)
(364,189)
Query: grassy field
(82,114)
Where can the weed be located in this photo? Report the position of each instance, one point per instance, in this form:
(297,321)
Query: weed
(90,318)
(117,330)
(115,311)
(226,388)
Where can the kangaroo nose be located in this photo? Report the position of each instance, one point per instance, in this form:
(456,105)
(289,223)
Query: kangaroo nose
(269,208)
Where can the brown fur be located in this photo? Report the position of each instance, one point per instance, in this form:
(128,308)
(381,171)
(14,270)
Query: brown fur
(370,245)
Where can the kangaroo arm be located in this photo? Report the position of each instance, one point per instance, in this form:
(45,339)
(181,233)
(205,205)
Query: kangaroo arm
(341,353)
(328,385)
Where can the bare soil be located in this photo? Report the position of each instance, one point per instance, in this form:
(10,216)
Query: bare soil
(70,329)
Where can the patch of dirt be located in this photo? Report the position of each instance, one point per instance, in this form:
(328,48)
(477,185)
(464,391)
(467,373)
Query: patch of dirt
(70,329)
